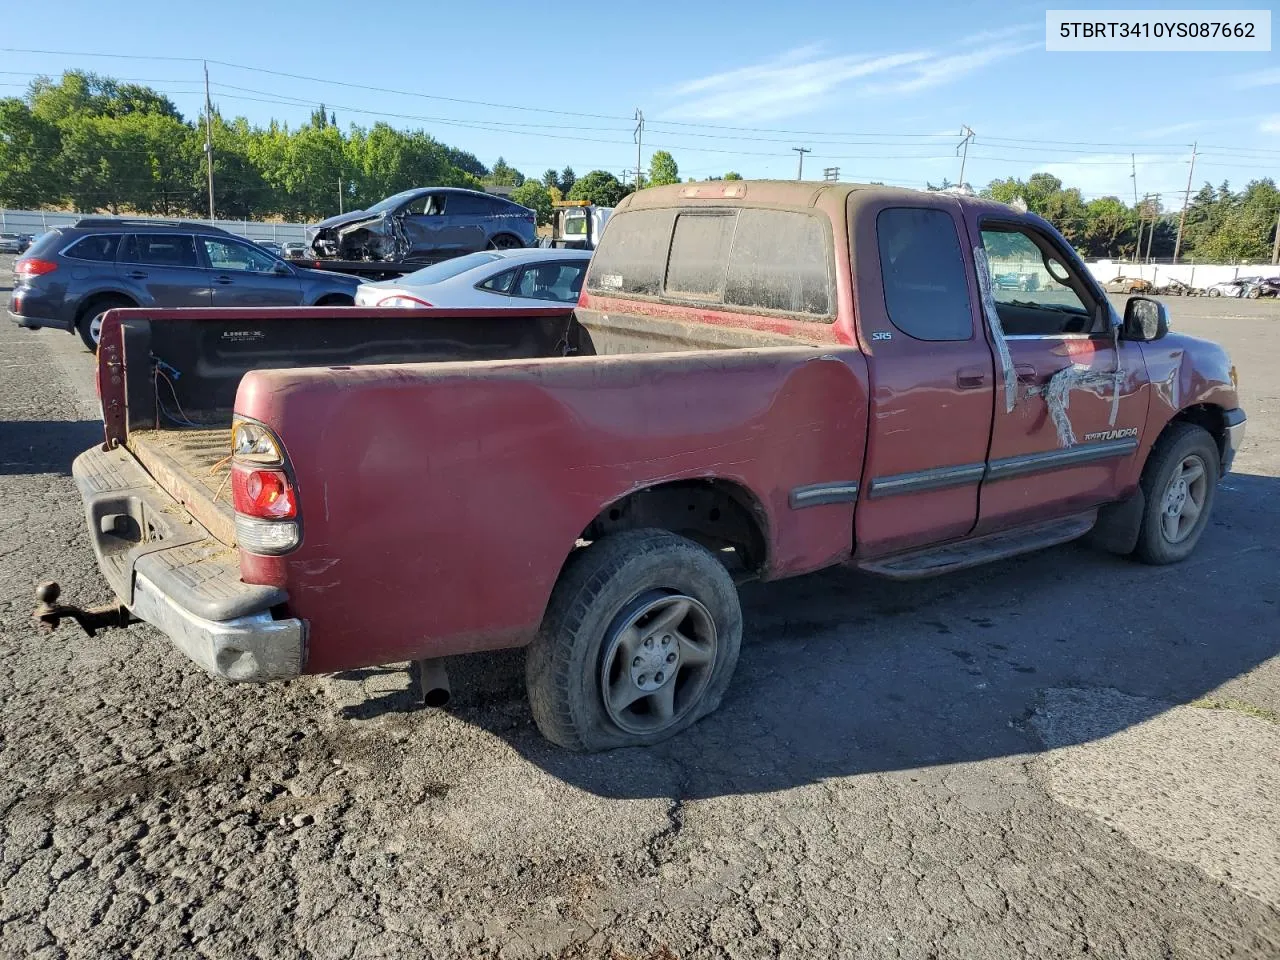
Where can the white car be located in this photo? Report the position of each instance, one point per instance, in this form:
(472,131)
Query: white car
(522,278)
(1231,288)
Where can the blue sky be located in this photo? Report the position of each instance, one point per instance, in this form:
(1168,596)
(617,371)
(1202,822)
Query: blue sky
(879,90)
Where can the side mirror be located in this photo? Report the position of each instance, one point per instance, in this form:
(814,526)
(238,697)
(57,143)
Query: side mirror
(282,269)
(1144,319)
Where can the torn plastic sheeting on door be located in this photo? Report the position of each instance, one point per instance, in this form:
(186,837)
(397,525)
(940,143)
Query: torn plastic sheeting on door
(1057,395)
(997,328)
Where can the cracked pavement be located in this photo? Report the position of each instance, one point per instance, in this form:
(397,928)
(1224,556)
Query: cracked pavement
(994,764)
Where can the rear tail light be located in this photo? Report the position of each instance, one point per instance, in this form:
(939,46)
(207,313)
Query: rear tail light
(402,301)
(34,267)
(265,494)
(262,491)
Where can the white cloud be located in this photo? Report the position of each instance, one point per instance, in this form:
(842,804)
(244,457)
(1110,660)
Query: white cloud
(1157,132)
(938,71)
(796,81)
(1270,124)
(777,87)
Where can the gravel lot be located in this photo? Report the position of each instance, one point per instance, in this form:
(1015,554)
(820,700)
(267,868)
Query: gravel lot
(1001,763)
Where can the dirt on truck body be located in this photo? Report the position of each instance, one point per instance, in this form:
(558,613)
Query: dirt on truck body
(760,380)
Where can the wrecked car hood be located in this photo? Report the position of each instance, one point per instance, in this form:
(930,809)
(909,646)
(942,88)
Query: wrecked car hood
(341,220)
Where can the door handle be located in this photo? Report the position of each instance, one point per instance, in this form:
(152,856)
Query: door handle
(1026,373)
(223,280)
(136,275)
(971,378)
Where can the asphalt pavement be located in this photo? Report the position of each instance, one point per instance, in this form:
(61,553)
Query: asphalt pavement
(1061,754)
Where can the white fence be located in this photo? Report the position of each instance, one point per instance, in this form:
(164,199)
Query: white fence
(38,221)
(1196,274)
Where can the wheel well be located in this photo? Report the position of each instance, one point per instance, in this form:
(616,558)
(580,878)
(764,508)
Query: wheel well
(716,513)
(335,300)
(97,299)
(506,233)
(1211,418)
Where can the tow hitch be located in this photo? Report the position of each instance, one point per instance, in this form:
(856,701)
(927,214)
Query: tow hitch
(50,613)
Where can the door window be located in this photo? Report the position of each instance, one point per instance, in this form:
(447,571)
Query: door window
(925,291)
(561,282)
(160,250)
(96,246)
(432,205)
(499,283)
(1036,294)
(230,255)
(465,205)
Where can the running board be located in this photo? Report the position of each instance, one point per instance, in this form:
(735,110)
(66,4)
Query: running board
(959,554)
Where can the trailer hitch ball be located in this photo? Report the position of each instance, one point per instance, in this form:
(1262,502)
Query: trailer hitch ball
(50,614)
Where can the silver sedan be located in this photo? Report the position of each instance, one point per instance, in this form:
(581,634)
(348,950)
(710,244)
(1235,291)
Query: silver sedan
(530,277)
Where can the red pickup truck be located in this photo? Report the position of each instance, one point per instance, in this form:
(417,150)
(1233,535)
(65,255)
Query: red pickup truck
(760,380)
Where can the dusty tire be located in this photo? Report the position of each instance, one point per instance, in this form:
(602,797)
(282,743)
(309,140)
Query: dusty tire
(1174,457)
(1215,293)
(89,326)
(599,602)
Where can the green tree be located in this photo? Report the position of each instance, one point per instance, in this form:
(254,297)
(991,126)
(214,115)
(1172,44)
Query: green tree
(1109,228)
(662,169)
(503,175)
(28,152)
(534,195)
(731,175)
(567,180)
(599,187)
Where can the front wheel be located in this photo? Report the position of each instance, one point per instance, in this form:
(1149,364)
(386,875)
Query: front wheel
(1215,293)
(639,642)
(504,241)
(1179,482)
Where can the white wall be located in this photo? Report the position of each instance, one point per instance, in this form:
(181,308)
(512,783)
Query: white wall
(38,221)
(1196,274)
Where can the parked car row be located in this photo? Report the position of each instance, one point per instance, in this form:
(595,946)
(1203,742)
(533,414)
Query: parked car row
(15,242)
(73,275)
(1251,287)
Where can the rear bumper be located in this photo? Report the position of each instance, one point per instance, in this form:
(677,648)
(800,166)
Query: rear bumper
(170,572)
(1236,424)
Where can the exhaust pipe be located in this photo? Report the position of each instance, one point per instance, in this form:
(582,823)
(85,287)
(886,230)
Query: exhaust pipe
(431,680)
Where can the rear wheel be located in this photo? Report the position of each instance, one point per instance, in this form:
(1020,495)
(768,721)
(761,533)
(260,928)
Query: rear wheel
(1254,293)
(90,324)
(1179,482)
(1215,293)
(505,241)
(639,642)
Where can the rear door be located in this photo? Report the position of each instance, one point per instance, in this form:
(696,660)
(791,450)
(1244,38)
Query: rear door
(931,371)
(164,266)
(242,275)
(467,222)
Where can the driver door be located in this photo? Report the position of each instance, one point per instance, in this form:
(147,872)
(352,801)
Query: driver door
(1069,438)
(426,226)
(243,275)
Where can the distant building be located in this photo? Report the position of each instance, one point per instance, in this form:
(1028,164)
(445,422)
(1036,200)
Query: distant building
(498,191)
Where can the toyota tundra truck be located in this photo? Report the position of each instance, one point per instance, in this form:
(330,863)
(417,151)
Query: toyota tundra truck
(760,380)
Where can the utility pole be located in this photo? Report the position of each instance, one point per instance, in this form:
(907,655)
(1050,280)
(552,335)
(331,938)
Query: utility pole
(339,193)
(1186,199)
(1155,214)
(1275,247)
(962,148)
(1133,167)
(802,151)
(208,136)
(830,174)
(639,137)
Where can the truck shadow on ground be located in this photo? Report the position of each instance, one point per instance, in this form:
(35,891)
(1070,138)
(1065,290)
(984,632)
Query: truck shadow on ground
(45,446)
(842,673)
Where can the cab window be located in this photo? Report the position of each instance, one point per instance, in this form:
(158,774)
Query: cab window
(922,269)
(1036,293)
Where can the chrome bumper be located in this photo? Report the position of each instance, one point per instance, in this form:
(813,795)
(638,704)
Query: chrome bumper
(252,648)
(1236,424)
(179,579)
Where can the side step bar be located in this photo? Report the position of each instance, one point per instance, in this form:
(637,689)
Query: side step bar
(959,554)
